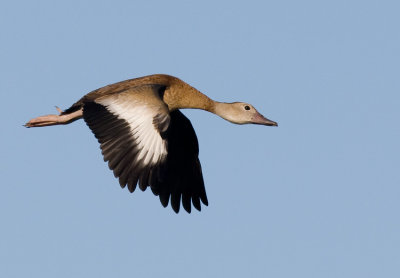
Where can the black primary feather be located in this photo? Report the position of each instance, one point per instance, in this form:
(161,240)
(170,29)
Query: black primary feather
(178,177)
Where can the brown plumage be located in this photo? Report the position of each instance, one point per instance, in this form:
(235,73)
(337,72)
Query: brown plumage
(146,139)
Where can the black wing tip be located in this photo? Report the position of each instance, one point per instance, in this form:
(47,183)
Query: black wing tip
(164,199)
(204,200)
(187,206)
(176,209)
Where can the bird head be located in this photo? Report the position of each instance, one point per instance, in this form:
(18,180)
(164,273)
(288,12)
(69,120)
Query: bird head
(242,113)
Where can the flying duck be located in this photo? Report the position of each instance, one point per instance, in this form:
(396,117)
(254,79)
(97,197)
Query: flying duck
(146,139)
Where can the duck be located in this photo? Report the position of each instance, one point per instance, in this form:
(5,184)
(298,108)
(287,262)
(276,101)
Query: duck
(146,139)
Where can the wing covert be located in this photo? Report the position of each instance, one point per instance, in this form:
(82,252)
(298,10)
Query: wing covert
(145,144)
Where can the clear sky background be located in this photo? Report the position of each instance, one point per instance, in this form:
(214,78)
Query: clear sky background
(316,197)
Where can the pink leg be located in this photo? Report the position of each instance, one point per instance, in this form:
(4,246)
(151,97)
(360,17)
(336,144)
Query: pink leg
(55,119)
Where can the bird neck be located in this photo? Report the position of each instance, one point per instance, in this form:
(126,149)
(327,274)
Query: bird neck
(185,96)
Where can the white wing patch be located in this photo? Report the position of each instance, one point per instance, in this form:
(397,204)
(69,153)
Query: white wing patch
(152,148)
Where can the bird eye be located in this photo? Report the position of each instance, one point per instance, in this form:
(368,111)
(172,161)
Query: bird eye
(247,107)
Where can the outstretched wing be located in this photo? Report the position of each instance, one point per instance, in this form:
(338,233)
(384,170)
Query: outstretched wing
(144,144)
(183,176)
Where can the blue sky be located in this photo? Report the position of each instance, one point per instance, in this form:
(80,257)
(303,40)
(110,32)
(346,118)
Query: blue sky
(316,197)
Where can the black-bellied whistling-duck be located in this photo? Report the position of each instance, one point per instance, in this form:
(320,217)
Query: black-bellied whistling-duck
(146,139)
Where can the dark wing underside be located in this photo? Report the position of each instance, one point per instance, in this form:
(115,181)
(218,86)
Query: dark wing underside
(183,176)
(176,176)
